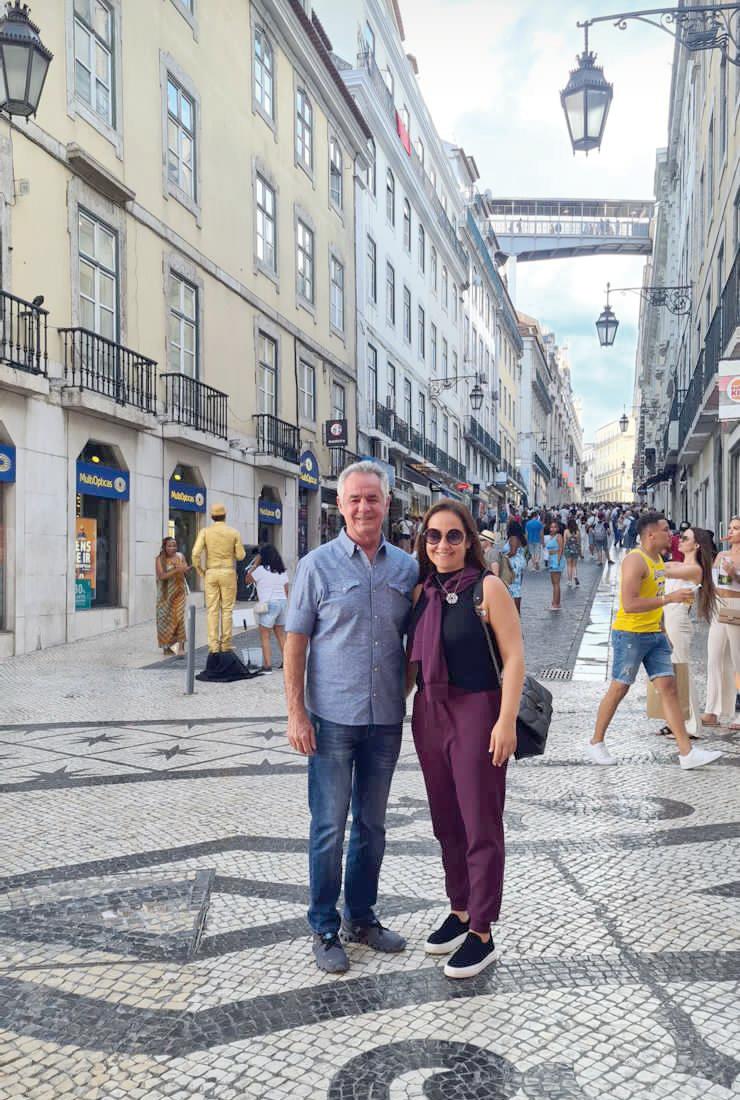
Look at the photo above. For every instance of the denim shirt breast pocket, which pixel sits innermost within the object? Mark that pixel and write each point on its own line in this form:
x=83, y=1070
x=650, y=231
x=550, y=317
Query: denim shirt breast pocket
x=399, y=605
x=342, y=603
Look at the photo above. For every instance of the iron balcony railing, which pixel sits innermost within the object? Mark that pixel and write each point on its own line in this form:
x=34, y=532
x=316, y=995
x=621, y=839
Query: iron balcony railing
x=542, y=466
x=475, y=432
x=384, y=418
x=190, y=402
x=340, y=458
x=400, y=431
x=278, y=438
x=23, y=334
x=95, y=363
x=416, y=441
x=431, y=453
x=730, y=304
x=691, y=401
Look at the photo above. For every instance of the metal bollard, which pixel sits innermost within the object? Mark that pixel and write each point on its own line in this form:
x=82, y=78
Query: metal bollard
x=190, y=655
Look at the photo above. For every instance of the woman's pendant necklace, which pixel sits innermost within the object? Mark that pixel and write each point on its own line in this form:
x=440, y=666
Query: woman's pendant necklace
x=450, y=597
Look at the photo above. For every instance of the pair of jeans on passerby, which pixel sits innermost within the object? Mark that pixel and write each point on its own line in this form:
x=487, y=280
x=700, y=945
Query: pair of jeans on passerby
x=351, y=763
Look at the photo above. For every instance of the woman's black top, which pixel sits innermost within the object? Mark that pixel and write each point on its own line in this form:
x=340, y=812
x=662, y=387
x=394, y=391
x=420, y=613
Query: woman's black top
x=469, y=664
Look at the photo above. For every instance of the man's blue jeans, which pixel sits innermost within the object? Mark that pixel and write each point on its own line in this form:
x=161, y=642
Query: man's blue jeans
x=350, y=763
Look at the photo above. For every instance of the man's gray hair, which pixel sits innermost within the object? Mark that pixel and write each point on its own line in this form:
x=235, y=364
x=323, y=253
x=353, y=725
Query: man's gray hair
x=364, y=467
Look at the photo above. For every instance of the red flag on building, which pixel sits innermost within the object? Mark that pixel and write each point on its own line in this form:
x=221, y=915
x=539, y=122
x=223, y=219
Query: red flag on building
x=403, y=134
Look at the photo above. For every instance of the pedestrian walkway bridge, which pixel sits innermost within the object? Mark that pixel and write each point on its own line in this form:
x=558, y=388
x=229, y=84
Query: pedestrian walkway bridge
x=543, y=229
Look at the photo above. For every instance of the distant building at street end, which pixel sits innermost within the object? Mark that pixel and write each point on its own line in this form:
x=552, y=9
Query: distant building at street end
x=610, y=468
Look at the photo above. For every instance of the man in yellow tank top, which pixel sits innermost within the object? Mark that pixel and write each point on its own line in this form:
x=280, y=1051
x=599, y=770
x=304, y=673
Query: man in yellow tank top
x=637, y=639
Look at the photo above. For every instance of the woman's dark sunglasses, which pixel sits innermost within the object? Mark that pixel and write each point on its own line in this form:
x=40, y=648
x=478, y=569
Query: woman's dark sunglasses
x=454, y=537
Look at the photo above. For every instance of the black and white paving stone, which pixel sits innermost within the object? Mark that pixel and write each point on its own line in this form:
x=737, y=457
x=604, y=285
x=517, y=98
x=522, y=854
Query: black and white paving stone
x=153, y=940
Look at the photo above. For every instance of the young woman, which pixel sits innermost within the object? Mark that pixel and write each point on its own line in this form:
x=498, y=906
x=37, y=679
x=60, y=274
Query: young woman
x=271, y=578
x=698, y=549
x=555, y=561
x=172, y=595
x=513, y=550
x=723, y=663
x=572, y=548
x=464, y=726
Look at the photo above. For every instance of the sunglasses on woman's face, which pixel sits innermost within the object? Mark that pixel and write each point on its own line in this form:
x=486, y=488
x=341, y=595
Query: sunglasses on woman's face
x=454, y=537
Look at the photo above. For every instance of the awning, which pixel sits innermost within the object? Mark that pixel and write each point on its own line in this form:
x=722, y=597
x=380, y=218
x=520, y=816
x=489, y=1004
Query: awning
x=656, y=479
x=415, y=476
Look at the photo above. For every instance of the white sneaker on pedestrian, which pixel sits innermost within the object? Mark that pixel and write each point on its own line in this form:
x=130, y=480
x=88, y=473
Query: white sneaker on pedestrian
x=697, y=758
x=599, y=754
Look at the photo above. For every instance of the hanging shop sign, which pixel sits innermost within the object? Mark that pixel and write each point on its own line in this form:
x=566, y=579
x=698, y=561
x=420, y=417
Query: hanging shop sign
x=86, y=539
x=102, y=481
x=186, y=498
x=335, y=433
x=729, y=389
x=7, y=462
x=308, y=478
x=270, y=512
x=500, y=477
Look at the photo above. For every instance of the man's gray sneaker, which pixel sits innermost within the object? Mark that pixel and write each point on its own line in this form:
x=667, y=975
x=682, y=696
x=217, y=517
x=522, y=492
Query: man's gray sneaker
x=372, y=935
x=329, y=953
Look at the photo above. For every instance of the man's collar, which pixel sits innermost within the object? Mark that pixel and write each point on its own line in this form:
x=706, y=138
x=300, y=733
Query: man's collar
x=350, y=547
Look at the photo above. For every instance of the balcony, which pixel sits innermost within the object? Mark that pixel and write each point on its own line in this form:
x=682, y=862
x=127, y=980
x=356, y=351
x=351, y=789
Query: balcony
x=670, y=436
x=416, y=440
x=277, y=438
x=22, y=334
x=91, y=362
x=339, y=459
x=195, y=405
x=542, y=466
x=477, y=434
x=400, y=432
x=384, y=419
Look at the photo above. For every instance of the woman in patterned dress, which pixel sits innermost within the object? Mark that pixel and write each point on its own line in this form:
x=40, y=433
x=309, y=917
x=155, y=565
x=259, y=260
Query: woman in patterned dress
x=172, y=592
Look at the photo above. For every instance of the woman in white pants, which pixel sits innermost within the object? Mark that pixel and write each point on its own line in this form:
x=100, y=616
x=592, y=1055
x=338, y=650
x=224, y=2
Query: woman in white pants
x=697, y=546
x=723, y=662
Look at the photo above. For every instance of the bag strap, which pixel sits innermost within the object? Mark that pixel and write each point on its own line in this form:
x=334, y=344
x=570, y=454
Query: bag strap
x=481, y=613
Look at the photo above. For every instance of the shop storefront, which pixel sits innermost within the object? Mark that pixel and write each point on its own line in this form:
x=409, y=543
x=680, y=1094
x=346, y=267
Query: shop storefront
x=331, y=518
x=102, y=490
x=187, y=507
x=308, y=487
x=7, y=478
x=269, y=517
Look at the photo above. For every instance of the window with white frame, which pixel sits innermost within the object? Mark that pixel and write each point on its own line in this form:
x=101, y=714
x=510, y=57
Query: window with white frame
x=723, y=93
x=372, y=166
x=336, y=186
x=445, y=433
x=433, y=348
x=372, y=380
x=264, y=73
x=454, y=367
x=369, y=35
x=338, y=401
x=406, y=118
x=266, y=253
x=304, y=129
x=407, y=403
x=390, y=293
x=180, y=138
x=422, y=248
x=93, y=46
x=433, y=424
x=307, y=390
x=422, y=332
x=98, y=272
x=267, y=375
x=421, y=423
x=433, y=267
x=372, y=269
x=444, y=358
x=454, y=303
x=391, y=387
x=336, y=281
x=389, y=82
x=420, y=150
x=305, y=261
x=390, y=197
x=182, y=301
x=407, y=314
x=455, y=441
x=407, y=225
x=444, y=288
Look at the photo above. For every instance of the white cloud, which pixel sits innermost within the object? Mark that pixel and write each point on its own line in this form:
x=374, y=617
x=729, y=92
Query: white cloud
x=491, y=72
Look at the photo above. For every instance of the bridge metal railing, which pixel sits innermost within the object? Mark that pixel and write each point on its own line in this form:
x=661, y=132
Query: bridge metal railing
x=572, y=227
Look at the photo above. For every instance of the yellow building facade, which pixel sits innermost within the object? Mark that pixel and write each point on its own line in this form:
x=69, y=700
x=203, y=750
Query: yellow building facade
x=184, y=203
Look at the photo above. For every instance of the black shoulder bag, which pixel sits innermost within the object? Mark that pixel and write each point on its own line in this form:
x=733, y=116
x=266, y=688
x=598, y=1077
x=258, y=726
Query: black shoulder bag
x=535, y=707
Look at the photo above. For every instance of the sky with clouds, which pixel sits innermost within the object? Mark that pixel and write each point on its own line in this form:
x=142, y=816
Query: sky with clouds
x=491, y=72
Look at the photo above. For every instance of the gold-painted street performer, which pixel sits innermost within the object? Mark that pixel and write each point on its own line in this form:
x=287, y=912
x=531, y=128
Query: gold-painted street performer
x=223, y=548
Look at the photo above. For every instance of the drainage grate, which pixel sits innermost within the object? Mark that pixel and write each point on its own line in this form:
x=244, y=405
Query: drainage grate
x=556, y=674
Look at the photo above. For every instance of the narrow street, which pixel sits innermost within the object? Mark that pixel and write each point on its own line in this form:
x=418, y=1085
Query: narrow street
x=154, y=892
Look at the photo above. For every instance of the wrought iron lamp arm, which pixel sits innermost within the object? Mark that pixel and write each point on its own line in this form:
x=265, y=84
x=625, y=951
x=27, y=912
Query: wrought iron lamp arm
x=715, y=32
x=676, y=299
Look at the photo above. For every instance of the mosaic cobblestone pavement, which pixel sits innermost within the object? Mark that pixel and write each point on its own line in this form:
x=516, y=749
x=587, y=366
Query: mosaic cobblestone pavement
x=153, y=941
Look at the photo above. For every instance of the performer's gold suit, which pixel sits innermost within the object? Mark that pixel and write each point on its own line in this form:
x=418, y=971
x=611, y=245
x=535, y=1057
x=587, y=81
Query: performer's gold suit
x=223, y=548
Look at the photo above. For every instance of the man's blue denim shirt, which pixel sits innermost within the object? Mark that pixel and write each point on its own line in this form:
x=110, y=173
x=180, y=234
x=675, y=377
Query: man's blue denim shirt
x=355, y=613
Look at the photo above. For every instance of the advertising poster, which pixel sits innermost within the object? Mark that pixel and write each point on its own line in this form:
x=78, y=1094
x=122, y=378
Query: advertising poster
x=85, y=566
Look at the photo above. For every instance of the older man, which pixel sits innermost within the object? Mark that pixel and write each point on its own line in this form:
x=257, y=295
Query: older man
x=348, y=611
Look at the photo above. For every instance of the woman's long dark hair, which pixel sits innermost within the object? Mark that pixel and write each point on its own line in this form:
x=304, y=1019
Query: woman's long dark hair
x=270, y=558
x=474, y=554
x=517, y=530
x=706, y=601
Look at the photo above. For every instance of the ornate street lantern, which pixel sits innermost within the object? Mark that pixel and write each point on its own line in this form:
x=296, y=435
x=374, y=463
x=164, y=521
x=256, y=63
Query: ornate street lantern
x=586, y=100
x=607, y=324
x=624, y=423
x=24, y=62
x=476, y=397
